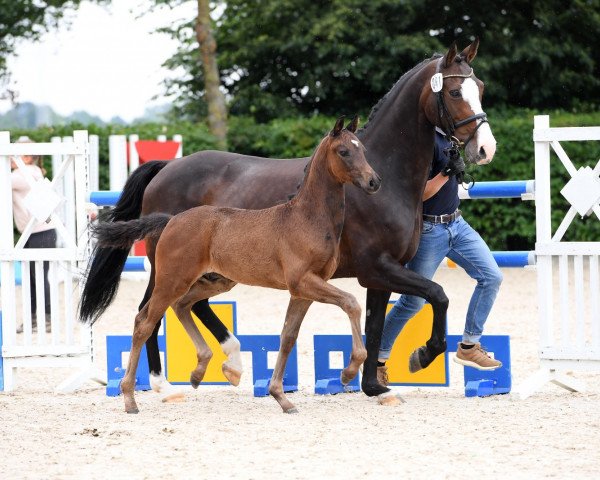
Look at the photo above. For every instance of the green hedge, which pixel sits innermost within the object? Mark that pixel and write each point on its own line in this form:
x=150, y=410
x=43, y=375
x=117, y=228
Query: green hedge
x=510, y=224
x=504, y=224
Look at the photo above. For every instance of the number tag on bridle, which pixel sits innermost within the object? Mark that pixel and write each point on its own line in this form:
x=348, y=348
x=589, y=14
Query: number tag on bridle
x=437, y=82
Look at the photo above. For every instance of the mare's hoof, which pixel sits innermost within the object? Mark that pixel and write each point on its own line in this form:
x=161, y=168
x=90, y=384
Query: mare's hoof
x=232, y=375
x=133, y=410
x=389, y=399
x=414, y=362
x=291, y=410
x=373, y=389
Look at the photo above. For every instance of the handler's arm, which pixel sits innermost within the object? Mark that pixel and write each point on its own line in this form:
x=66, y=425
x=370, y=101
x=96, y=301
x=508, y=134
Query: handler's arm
x=433, y=186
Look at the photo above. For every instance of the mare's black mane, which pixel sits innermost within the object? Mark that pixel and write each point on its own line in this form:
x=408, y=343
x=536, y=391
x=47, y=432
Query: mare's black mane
x=404, y=78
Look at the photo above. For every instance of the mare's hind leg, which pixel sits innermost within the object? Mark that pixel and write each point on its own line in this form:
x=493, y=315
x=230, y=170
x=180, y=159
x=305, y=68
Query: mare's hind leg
x=293, y=319
x=315, y=288
x=207, y=286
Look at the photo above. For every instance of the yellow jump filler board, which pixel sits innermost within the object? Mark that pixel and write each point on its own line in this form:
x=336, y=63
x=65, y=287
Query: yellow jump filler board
x=180, y=356
x=415, y=333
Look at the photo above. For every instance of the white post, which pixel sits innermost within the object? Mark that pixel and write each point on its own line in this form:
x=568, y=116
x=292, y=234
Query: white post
x=134, y=158
x=94, y=166
x=161, y=138
x=117, y=159
x=7, y=293
x=59, y=187
x=179, y=138
x=69, y=192
x=543, y=232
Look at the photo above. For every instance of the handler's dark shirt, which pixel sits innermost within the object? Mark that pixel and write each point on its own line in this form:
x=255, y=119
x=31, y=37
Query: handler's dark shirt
x=446, y=200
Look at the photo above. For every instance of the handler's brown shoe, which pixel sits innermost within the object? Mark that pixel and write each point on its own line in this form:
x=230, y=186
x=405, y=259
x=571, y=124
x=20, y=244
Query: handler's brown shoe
x=382, y=376
x=476, y=357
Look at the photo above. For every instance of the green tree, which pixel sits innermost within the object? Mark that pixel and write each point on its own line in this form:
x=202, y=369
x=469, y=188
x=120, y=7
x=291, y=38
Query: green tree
x=197, y=94
x=215, y=100
x=534, y=53
x=28, y=20
x=284, y=57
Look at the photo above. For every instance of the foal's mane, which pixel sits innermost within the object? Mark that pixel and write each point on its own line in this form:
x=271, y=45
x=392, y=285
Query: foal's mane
x=307, y=166
x=399, y=84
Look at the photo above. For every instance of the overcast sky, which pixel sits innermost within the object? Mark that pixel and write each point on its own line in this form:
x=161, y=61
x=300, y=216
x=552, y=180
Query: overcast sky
x=107, y=63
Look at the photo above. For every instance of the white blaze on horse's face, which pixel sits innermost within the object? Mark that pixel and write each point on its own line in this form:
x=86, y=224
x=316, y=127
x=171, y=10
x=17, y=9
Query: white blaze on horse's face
x=483, y=146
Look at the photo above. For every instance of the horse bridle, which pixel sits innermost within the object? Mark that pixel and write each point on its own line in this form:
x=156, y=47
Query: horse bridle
x=444, y=114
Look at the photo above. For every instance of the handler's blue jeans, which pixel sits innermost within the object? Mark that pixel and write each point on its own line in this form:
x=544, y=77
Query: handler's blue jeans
x=460, y=243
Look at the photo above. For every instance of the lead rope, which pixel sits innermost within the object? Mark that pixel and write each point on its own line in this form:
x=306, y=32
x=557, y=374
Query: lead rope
x=453, y=151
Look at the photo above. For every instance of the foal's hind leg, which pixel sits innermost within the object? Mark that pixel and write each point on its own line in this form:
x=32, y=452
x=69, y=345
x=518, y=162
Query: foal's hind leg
x=206, y=286
x=214, y=284
x=315, y=288
x=203, y=352
x=145, y=321
x=232, y=367
x=293, y=319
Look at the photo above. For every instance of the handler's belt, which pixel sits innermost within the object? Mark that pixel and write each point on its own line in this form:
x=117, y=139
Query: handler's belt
x=449, y=217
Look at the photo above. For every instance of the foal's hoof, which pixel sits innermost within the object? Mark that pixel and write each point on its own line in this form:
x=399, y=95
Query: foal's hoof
x=133, y=410
x=291, y=410
x=232, y=375
x=175, y=397
x=414, y=362
x=389, y=399
x=346, y=377
x=195, y=382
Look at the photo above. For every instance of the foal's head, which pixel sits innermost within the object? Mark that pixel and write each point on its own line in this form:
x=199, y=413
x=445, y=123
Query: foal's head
x=346, y=157
x=452, y=101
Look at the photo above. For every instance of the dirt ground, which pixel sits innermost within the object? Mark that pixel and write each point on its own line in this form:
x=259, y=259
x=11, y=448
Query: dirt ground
x=225, y=432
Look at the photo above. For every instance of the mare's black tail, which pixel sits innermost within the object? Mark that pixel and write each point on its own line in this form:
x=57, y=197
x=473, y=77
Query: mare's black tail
x=104, y=270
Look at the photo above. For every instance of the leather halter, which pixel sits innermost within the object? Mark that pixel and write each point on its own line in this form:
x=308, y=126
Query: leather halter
x=444, y=114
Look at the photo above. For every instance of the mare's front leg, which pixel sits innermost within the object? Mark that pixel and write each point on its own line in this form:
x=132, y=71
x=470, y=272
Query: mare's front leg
x=293, y=319
x=388, y=275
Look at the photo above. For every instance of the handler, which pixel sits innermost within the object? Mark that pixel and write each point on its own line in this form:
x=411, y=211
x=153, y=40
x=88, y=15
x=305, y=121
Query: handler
x=447, y=234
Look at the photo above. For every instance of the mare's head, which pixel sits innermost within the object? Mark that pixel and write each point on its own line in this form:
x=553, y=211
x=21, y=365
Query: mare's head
x=346, y=157
x=452, y=102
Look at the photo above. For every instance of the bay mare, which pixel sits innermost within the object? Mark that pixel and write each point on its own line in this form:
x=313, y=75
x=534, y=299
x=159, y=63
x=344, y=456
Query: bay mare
x=293, y=246
x=381, y=233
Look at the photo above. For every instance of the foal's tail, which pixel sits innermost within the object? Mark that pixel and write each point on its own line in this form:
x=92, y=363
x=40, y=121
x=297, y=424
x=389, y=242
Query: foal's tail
x=104, y=270
x=122, y=235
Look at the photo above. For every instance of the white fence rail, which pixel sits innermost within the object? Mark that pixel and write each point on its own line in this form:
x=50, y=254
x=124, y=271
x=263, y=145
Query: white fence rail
x=568, y=285
x=66, y=344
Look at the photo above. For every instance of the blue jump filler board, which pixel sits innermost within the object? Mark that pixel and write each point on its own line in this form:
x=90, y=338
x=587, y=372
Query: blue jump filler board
x=327, y=379
x=260, y=346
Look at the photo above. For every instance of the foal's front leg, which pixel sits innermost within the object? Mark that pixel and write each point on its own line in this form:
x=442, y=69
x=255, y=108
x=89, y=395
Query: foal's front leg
x=314, y=287
x=293, y=319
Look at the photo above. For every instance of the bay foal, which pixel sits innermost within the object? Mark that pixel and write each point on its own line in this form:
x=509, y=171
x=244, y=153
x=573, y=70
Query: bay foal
x=293, y=246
